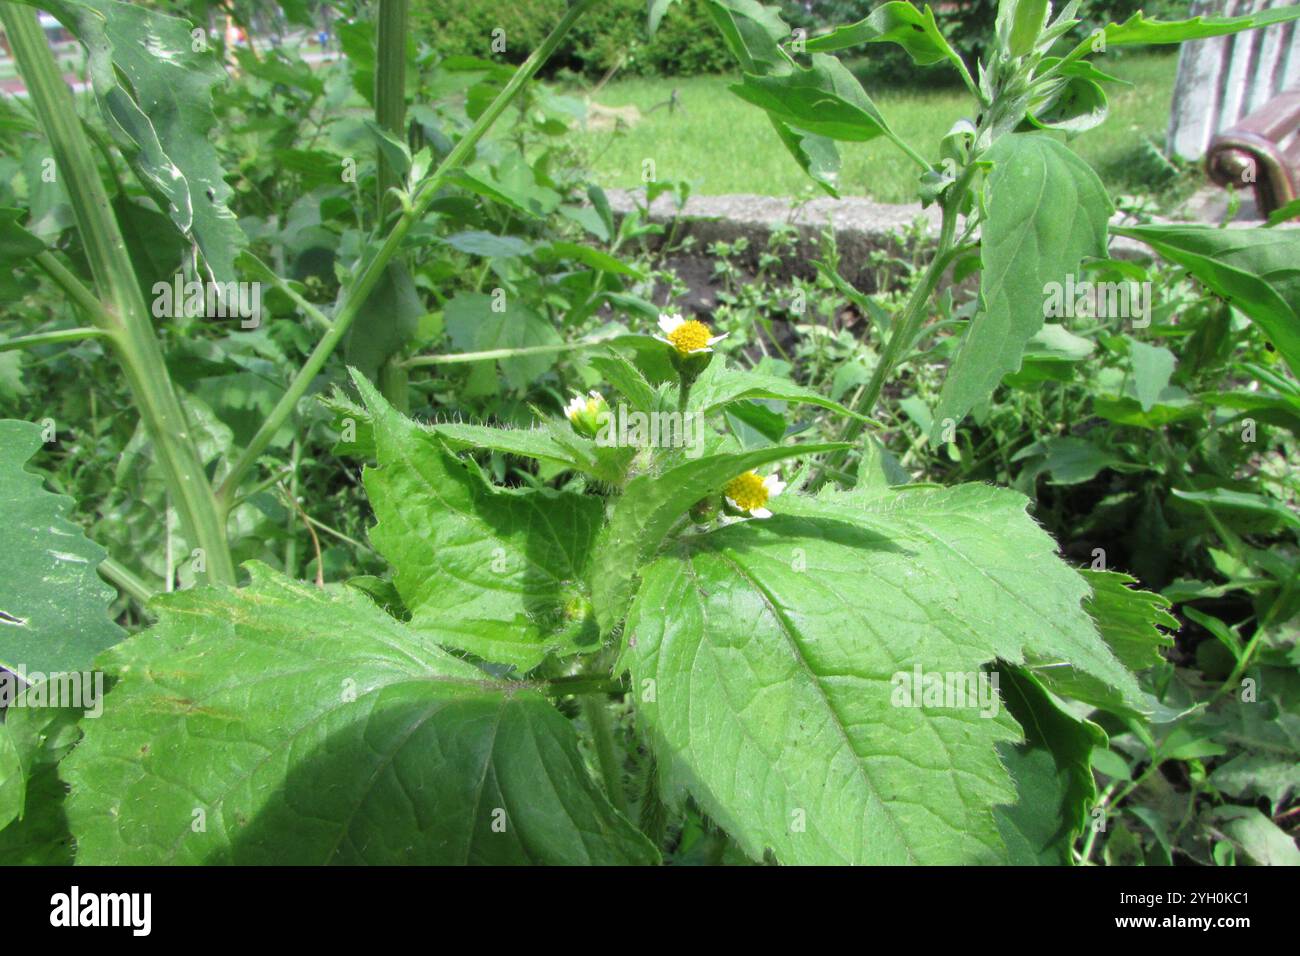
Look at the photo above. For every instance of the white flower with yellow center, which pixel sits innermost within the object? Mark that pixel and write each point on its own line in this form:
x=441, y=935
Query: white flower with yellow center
x=688, y=337
x=585, y=412
x=750, y=492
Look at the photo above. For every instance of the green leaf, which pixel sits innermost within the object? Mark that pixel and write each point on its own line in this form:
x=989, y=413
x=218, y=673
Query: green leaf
x=394, y=151
x=513, y=184
x=651, y=504
x=1260, y=839
x=40, y=738
x=595, y=259
x=1026, y=25
x=493, y=571
x=1047, y=210
x=897, y=22
x=536, y=443
x=816, y=155
x=309, y=727
x=1256, y=270
x=53, y=606
x=627, y=379
x=1052, y=771
x=753, y=33
x=777, y=650
x=488, y=245
x=1228, y=500
x=1080, y=104
x=719, y=386
x=161, y=119
x=1284, y=213
x=1153, y=367
x=655, y=14
x=1252, y=775
x=388, y=320
x=13, y=782
x=1070, y=460
x=1128, y=619
x=1137, y=30
x=16, y=243
x=475, y=325
x=824, y=99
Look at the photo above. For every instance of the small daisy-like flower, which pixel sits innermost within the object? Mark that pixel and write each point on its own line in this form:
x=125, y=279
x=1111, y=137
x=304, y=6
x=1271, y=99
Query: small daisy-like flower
x=585, y=412
x=750, y=492
x=687, y=337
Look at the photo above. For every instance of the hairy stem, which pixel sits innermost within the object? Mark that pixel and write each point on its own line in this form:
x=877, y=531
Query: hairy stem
x=390, y=88
x=596, y=710
x=124, y=314
x=906, y=326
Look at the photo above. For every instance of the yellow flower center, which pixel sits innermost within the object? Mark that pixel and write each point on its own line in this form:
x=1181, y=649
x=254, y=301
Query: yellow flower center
x=747, y=491
x=689, y=336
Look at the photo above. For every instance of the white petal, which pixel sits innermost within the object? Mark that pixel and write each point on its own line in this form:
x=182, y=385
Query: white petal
x=760, y=513
x=718, y=338
x=700, y=350
x=733, y=504
x=774, y=484
x=669, y=323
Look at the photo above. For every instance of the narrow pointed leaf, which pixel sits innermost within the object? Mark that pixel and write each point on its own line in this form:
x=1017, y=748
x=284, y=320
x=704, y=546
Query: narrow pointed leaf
x=1256, y=270
x=1047, y=211
x=896, y=22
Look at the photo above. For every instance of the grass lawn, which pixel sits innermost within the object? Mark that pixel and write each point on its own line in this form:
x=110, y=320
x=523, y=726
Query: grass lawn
x=724, y=145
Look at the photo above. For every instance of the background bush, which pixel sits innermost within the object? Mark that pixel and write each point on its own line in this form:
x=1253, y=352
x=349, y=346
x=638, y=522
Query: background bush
x=687, y=44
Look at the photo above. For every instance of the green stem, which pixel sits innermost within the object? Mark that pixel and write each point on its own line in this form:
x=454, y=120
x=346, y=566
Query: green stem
x=909, y=323
x=390, y=89
x=124, y=310
x=375, y=268
x=50, y=338
x=308, y=308
x=1102, y=802
x=596, y=710
x=451, y=358
x=906, y=147
x=126, y=581
x=581, y=684
x=75, y=290
x=390, y=114
x=905, y=328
